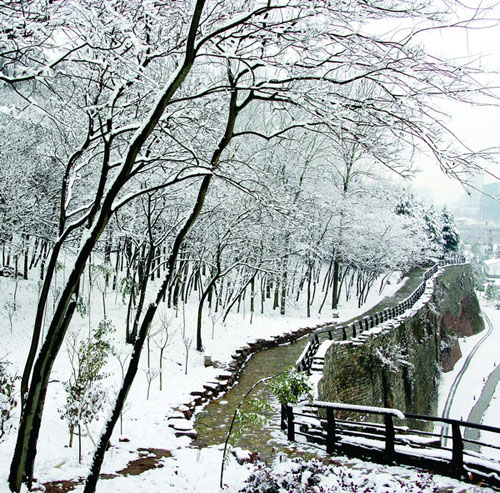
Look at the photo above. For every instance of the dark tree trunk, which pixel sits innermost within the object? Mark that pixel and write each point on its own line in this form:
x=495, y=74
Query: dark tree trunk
x=34, y=253
x=26, y=256
x=120, y=401
x=144, y=280
x=25, y=451
x=29, y=427
x=211, y=284
x=335, y=287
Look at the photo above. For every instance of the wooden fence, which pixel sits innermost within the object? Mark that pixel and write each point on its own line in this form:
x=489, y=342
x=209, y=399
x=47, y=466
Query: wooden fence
x=390, y=441
x=393, y=442
x=355, y=328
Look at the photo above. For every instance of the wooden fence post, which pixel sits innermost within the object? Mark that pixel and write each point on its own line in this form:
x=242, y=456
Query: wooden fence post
x=389, y=438
x=283, y=417
x=290, y=425
x=330, y=431
x=457, y=458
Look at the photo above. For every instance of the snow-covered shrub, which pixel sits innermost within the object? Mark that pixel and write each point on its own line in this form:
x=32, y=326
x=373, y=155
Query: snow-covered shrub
x=85, y=394
x=7, y=398
x=314, y=476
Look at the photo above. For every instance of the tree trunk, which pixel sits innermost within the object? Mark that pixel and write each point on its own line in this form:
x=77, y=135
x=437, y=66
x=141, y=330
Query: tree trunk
x=283, y=294
x=33, y=253
x=41, y=306
x=309, y=276
x=144, y=280
x=26, y=445
x=252, y=298
x=93, y=476
x=25, y=451
x=199, y=341
x=233, y=112
x=276, y=301
x=26, y=256
x=95, y=469
x=335, y=288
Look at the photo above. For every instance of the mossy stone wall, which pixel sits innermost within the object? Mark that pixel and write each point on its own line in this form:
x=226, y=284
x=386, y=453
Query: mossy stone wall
x=400, y=366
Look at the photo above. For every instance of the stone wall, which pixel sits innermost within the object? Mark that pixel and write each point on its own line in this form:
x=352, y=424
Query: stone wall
x=399, y=366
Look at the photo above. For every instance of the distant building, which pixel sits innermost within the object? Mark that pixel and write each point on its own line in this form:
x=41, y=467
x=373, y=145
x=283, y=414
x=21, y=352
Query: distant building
x=477, y=214
x=492, y=268
x=490, y=208
x=469, y=204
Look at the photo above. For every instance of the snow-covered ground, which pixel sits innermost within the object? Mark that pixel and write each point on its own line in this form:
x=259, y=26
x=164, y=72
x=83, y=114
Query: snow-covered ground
x=144, y=421
x=481, y=365
x=484, y=361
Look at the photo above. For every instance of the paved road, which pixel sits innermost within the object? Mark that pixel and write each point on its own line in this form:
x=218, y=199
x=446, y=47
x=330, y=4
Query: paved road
x=487, y=393
x=465, y=367
x=477, y=412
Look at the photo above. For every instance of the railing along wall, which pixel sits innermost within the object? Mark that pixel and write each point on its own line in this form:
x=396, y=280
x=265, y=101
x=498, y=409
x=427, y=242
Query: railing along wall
x=368, y=322
x=391, y=443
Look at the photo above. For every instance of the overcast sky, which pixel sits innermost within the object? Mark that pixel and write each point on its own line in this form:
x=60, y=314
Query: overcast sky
x=478, y=127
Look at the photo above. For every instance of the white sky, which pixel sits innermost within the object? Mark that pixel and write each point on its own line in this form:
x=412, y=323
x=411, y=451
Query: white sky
x=478, y=127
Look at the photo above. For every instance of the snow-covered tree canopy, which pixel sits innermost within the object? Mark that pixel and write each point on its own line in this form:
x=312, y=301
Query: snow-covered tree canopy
x=139, y=118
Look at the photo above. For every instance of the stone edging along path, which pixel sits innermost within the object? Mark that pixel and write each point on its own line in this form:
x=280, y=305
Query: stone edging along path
x=229, y=376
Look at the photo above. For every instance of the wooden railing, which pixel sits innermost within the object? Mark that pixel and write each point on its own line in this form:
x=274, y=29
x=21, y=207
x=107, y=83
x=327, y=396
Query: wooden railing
x=355, y=328
x=387, y=442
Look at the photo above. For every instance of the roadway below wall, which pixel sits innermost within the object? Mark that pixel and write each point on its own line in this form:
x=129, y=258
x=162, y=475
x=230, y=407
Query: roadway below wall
x=483, y=401
x=458, y=379
x=477, y=412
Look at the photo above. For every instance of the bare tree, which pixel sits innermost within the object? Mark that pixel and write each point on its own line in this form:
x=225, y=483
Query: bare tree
x=162, y=338
x=115, y=124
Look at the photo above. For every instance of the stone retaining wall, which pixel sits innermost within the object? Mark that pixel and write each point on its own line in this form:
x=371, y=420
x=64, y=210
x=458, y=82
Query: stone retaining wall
x=399, y=366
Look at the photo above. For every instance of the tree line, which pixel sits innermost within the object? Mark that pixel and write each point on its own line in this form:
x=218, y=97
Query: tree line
x=227, y=148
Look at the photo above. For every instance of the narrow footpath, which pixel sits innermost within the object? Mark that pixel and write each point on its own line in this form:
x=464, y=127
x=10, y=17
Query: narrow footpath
x=212, y=422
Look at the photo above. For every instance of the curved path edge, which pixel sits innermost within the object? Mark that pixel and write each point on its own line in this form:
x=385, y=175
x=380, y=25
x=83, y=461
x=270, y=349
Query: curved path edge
x=458, y=378
x=477, y=412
